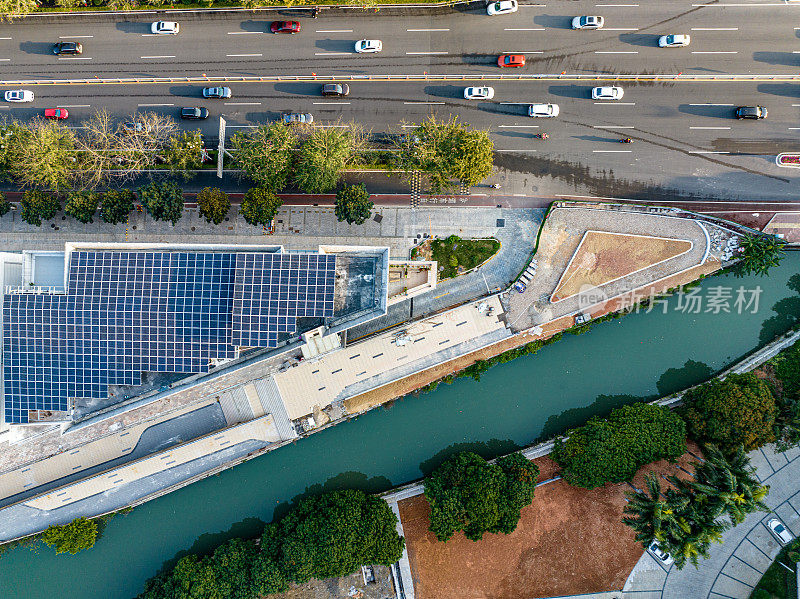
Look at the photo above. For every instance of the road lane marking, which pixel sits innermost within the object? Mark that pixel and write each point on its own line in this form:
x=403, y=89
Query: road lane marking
x=524, y=29
x=513, y=151
x=742, y=5
x=242, y=103
x=616, y=52
x=794, y=128
x=164, y=56
x=75, y=58
x=332, y=126
x=518, y=126
x=332, y=53
x=428, y=29
x=140, y=105
x=620, y=29
x=715, y=52
x=613, y=127
x=612, y=151
x=423, y=103
x=242, y=126
x=616, y=103
x=67, y=37
x=238, y=55
x=334, y=31
x=5, y=38
x=73, y=105
x=5, y=59
x=706, y=152
x=330, y=103
x=524, y=52
x=616, y=5
x=245, y=32
x=432, y=52
x=715, y=29
x=711, y=128
x=710, y=104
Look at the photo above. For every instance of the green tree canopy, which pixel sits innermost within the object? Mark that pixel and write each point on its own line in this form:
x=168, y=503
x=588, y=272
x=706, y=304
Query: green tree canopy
x=760, y=253
x=11, y=9
x=323, y=155
x=214, y=204
x=82, y=205
x=164, y=200
x=38, y=206
x=467, y=493
x=5, y=205
x=41, y=154
x=79, y=534
x=259, y=206
x=116, y=205
x=739, y=410
x=612, y=449
x=353, y=204
x=265, y=154
x=183, y=152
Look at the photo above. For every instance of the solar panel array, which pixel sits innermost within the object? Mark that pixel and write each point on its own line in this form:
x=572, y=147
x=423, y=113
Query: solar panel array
x=130, y=312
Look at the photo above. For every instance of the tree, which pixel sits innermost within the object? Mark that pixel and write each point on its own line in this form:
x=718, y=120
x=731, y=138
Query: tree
x=79, y=534
x=38, y=206
x=353, y=204
x=12, y=9
x=323, y=155
x=164, y=201
x=655, y=516
x=5, y=205
x=259, y=206
x=214, y=204
x=265, y=154
x=116, y=205
x=446, y=151
x=81, y=205
x=183, y=152
x=739, y=410
x=760, y=253
x=467, y=493
x=41, y=154
x=614, y=448
x=232, y=563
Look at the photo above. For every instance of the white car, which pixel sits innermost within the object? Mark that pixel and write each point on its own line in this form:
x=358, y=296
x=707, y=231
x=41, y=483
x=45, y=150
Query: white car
x=543, y=110
x=501, y=8
x=673, y=41
x=166, y=27
x=478, y=93
x=661, y=555
x=587, y=22
x=607, y=93
x=780, y=531
x=368, y=46
x=19, y=95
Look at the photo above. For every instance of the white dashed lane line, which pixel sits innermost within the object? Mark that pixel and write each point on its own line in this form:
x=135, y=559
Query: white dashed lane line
x=70, y=37
x=334, y=31
x=524, y=29
x=431, y=52
x=242, y=55
x=421, y=30
x=612, y=151
x=162, y=56
x=711, y=128
x=245, y=32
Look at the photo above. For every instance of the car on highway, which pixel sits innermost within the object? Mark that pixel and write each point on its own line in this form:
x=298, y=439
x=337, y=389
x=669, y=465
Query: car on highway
x=290, y=27
x=217, y=92
x=673, y=41
x=67, y=48
x=18, y=95
x=165, y=27
x=661, y=555
x=479, y=93
x=751, y=112
x=56, y=113
x=502, y=7
x=543, y=110
x=511, y=60
x=780, y=531
x=340, y=90
x=368, y=46
x=298, y=118
x=587, y=22
x=607, y=93
x=194, y=113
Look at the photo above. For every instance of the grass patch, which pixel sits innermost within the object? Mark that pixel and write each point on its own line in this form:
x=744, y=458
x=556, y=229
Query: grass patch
x=455, y=254
x=778, y=582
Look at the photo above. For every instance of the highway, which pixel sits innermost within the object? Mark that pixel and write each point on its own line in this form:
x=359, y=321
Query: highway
x=676, y=125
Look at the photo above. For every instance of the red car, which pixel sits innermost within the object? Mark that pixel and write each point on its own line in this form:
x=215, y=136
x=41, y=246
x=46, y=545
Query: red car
x=56, y=113
x=285, y=27
x=511, y=60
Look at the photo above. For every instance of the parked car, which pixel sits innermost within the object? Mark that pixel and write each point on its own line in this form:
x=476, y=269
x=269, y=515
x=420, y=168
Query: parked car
x=751, y=112
x=780, y=531
x=479, y=93
x=217, y=92
x=165, y=27
x=336, y=89
x=368, y=46
x=511, y=60
x=67, y=48
x=502, y=7
x=18, y=95
x=607, y=93
x=298, y=118
x=194, y=113
x=290, y=27
x=673, y=41
x=56, y=113
x=661, y=555
x=543, y=110
x=587, y=22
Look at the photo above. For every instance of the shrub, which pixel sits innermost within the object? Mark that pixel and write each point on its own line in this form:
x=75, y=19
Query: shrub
x=214, y=204
x=259, y=206
x=353, y=204
x=38, y=206
x=82, y=205
x=79, y=534
x=164, y=201
x=5, y=205
x=116, y=205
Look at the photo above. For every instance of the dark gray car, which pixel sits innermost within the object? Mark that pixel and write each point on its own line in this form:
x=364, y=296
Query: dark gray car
x=336, y=89
x=195, y=113
x=751, y=112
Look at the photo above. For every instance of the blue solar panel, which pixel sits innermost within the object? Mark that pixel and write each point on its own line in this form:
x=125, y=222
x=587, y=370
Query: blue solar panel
x=129, y=312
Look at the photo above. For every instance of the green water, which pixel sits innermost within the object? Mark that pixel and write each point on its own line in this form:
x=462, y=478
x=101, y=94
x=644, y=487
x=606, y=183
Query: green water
x=640, y=355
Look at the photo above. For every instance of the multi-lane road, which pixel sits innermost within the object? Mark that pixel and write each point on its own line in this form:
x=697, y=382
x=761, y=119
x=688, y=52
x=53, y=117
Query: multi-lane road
x=683, y=128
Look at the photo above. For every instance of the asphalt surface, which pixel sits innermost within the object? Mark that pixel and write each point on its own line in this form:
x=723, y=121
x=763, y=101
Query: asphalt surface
x=684, y=131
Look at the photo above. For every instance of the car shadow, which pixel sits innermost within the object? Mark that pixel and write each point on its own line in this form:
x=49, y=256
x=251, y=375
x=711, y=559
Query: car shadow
x=554, y=21
x=194, y=92
x=597, y=138
x=134, y=27
x=777, y=58
x=330, y=45
x=299, y=88
x=570, y=91
x=517, y=134
x=37, y=47
x=251, y=25
x=786, y=90
x=509, y=109
x=639, y=39
x=713, y=112
x=444, y=91
x=481, y=59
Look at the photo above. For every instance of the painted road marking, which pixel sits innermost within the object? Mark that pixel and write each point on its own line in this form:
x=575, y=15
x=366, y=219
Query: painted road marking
x=518, y=126
x=67, y=37
x=164, y=56
x=715, y=52
x=612, y=151
x=334, y=31
x=523, y=52
x=5, y=38
x=140, y=105
x=330, y=103
x=711, y=128
x=427, y=29
x=617, y=103
x=245, y=32
x=615, y=52
x=707, y=152
x=613, y=127
x=75, y=58
x=715, y=29
x=332, y=53
x=524, y=29
x=242, y=103
x=238, y=55
x=423, y=103
x=620, y=29
x=710, y=104
x=73, y=105
x=432, y=52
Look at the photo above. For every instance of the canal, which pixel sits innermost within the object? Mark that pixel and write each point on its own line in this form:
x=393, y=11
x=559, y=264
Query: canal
x=641, y=355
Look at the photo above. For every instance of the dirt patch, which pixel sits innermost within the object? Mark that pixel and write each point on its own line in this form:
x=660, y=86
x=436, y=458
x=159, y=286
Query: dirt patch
x=569, y=541
x=604, y=257
x=346, y=587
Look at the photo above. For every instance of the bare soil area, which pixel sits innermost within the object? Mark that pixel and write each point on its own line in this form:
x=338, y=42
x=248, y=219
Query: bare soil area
x=568, y=541
x=604, y=257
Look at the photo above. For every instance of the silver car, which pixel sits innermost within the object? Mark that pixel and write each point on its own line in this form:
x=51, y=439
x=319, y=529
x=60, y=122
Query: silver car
x=298, y=118
x=587, y=22
x=780, y=531
x=543, y=110
x=19, y=95
x=217, y=92
x=165, y=27
x=479, y=93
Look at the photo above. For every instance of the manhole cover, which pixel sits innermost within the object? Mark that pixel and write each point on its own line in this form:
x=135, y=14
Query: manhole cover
x=501, y=222
x=378, y=218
